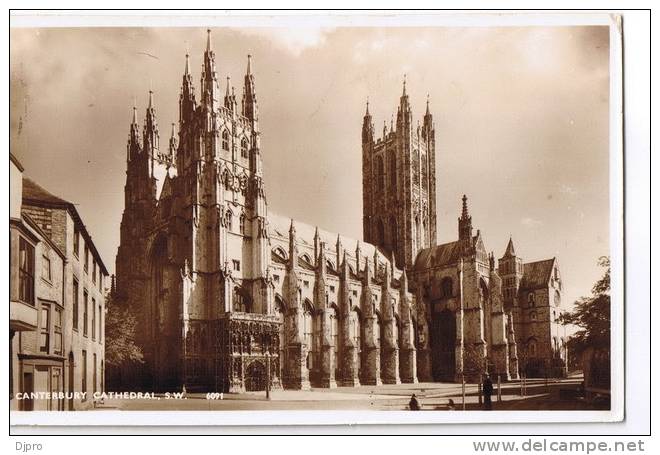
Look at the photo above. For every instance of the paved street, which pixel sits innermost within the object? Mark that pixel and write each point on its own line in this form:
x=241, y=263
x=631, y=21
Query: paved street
x=432, y=396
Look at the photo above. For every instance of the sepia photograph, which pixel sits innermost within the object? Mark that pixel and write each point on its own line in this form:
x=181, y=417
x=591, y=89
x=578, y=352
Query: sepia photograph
x=269, y=214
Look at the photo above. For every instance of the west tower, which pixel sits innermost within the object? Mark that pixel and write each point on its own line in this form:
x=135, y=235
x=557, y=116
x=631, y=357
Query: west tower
x=398, y=183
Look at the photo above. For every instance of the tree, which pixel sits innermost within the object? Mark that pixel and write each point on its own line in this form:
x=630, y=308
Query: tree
x=120, y=327
x=591, y=315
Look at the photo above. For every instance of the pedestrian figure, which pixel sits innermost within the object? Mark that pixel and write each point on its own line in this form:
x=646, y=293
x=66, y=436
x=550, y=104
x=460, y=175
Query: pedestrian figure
x=414, y=404
x=451, y=406
x=488, y=391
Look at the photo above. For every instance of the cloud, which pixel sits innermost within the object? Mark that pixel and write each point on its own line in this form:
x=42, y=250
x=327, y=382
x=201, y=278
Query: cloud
x=530, y=222
x=293, y=40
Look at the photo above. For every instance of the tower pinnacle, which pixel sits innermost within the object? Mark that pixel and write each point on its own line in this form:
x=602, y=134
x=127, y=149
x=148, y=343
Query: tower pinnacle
x=208, y=39
x=510, y=250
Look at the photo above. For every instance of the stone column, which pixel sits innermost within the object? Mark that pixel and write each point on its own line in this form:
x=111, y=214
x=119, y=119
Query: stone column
x=296, y=372
x=371, y=351
x=349, y=358
x=408, y=353
x=512, y=348
x=424, y=348
x=390, y=349
x=474, y=345
x=499, y=350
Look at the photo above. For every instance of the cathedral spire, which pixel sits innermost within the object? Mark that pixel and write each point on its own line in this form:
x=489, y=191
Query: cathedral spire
x=428, y=110
x=133, y=145
x=465, y=223
x=186, y=70
x=173, y=142
x=404, y=86
x=367, y=127
x=510, y=250
x=464, y=213
x=250, y=93
x=209, y=78
x=150, y=133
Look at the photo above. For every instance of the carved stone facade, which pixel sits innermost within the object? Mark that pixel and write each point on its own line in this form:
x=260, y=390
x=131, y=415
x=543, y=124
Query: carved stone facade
x=230, y=295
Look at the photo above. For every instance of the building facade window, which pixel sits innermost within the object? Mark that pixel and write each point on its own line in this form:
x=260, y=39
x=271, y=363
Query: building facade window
x=446, y=288
x=93, y=319
x=76, y=306
x=45, y=268
x=93, y=271
x=100, y=323
x=44, y=329
x=380, y=172
x=244, y=148
x=242, y=224
x=237, y=265
x=84, y=374
x=86, y=258
x=57, y=331
x=76, y=242
x=25, y=271
x=94, y=378
x=225, y=140
x=85, y=312
x=531, y=299
x=393, y=172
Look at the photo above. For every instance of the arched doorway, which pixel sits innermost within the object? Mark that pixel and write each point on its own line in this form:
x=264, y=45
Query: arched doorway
x=71, y=381
x=443, y=346
x=255, y=377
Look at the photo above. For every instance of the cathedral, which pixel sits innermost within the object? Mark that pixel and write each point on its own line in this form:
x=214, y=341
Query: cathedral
x=231, y=297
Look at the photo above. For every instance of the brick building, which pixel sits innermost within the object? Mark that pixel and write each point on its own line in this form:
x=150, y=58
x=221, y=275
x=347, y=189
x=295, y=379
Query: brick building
x=230, y=295
x=57, y=301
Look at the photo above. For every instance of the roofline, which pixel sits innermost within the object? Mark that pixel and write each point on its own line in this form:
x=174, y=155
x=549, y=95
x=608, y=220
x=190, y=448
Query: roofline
x=71, y=208
x=45, y=236
x=17, y=163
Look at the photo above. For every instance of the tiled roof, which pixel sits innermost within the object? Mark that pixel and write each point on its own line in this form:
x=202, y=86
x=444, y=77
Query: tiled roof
x=537, y=274
x=34, y=194
x=439, y=255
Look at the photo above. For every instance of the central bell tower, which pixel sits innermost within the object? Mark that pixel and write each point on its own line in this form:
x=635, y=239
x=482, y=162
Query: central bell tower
x=398, y=184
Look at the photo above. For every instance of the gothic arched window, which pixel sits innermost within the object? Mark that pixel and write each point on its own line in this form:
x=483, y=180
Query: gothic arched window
x=425, y=170
x=531, y=347
x=228, y=220
x=530, y=300
x=392, y=171
x=225, y=140
x=415, y=166
x=557, y=298
x=446, y=286
x=242, y=224
x=380, y=233
x=380, y=172
x=244, y=148
x=241, y=301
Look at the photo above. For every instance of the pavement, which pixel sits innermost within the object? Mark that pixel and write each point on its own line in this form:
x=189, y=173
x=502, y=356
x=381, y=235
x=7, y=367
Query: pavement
x=538, y=395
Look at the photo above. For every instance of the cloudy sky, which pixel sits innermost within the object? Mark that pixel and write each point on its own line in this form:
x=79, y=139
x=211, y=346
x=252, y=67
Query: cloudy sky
x=521, y=122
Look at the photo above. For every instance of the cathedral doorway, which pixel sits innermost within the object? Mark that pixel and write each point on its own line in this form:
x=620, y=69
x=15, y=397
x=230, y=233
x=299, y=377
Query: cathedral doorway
x=255, y=377
x=443, y=346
